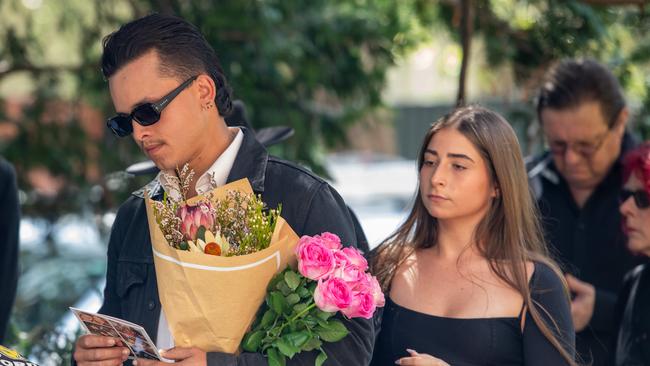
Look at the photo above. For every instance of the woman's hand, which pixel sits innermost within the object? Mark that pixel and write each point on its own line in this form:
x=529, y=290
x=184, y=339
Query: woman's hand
x=420, y=359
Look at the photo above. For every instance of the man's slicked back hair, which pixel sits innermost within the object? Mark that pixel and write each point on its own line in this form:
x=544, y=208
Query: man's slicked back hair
x=182, y=50
x=573, y=82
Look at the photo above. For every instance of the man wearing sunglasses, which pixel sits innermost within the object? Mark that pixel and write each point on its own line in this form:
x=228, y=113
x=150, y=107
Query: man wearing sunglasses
x=171, y=96
x=577, y=182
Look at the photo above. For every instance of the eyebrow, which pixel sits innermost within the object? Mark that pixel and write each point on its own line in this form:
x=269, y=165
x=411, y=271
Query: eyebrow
x=579, y=140
x=451, y=155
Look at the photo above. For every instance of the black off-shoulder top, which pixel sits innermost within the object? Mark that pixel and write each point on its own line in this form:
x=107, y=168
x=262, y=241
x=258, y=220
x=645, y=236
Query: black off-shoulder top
x=481, y=341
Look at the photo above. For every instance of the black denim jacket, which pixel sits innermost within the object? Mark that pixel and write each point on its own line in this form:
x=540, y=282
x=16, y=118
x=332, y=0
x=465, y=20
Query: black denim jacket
x=309, y=205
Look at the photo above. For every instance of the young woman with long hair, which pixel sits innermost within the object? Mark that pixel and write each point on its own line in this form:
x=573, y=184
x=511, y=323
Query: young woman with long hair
x=467, y=275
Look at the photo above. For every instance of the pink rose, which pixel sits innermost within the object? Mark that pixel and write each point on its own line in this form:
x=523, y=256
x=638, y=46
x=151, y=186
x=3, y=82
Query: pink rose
x=370, y=285
x=362, y=306
x=330, y=240
x=193, y=217
x=351, y=256
x=315, y=260
x=332, y=295
x=350, y=274
x=376, y=292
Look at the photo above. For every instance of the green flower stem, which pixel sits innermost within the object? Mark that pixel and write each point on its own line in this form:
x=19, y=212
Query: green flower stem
x=293, y=318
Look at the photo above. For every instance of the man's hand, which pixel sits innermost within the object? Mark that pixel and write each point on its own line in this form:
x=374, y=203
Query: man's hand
x=94, y=350
x=183, y=357
x=420, y=359
x=582, y=305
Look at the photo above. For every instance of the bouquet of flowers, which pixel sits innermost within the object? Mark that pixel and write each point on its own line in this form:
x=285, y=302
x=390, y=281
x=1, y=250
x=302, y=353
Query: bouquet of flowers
x=214, y=256
x=299, y=306
x=238, y=224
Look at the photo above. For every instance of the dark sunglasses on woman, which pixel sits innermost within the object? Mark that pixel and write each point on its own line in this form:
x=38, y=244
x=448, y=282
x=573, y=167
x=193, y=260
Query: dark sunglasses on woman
x=641, y=199
x=145, y=114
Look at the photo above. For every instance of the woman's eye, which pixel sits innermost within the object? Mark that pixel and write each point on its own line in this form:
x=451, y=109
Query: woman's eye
x=458, y=167
x=429, y=163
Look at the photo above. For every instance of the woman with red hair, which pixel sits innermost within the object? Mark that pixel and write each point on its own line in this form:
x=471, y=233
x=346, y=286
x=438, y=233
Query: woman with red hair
x=633, y=343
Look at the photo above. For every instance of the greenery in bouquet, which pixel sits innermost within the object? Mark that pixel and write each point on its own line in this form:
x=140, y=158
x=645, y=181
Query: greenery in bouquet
x=238, y=224
x=298, y=314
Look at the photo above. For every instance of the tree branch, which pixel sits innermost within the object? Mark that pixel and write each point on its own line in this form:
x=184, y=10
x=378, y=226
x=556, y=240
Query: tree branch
x=41, y=69
x=466, y=28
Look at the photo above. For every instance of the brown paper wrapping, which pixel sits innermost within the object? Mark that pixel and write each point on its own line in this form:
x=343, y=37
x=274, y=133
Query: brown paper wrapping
x=211, y=301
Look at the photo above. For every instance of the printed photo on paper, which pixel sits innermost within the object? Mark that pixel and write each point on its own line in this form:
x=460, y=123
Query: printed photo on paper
x=132, y=335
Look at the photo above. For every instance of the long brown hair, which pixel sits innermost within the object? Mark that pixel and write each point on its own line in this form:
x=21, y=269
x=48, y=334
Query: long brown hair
x=509, y=235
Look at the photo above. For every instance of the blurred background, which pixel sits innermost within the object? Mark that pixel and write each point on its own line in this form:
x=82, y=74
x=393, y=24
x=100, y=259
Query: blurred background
x=358, y=80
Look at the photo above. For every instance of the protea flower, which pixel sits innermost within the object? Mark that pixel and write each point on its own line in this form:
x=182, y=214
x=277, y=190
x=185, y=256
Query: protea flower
x=193, y=217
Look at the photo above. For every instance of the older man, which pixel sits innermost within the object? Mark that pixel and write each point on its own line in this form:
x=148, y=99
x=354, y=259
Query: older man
x=583, y=114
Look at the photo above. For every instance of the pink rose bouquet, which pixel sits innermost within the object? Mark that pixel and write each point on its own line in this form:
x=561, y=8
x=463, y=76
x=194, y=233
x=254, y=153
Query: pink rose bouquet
x=299, y=308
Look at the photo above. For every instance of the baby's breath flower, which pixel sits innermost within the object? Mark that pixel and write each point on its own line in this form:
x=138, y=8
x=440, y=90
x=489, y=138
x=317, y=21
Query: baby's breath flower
x=242, y=219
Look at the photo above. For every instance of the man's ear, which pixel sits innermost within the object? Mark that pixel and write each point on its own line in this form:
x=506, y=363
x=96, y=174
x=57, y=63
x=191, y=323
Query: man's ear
x=206, y=88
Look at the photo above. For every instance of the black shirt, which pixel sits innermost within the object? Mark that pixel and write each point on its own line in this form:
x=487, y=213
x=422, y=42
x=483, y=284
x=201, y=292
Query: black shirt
x=633, y=312
x=9, y=222
x=587, y=242
x=480, y=341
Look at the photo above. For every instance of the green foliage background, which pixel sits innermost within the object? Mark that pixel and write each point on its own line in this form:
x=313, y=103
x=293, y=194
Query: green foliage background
x=317, y=66
x=530, y=35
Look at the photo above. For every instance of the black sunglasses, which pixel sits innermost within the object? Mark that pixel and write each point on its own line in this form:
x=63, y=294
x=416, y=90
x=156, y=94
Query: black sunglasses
x=145, y=114
x=641, y=199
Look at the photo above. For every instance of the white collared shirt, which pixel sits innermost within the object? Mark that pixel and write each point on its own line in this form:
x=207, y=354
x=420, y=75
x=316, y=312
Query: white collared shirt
x=219, y=170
